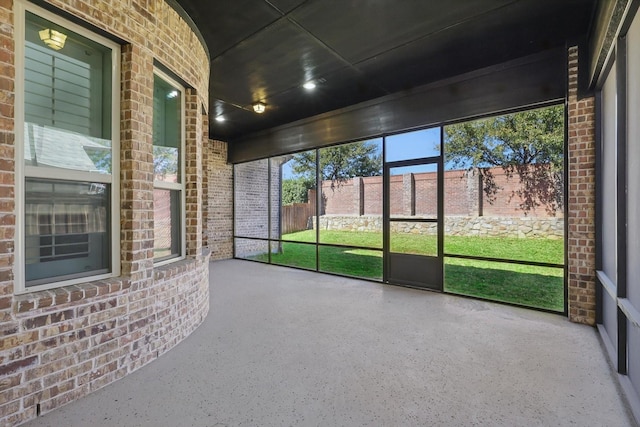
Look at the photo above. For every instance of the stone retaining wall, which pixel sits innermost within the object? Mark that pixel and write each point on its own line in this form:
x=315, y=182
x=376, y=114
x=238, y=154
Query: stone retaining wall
x=549, y=228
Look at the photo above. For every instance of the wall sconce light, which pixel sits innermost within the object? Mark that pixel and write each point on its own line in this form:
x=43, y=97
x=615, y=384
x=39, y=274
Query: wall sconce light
x=259, y=107
x=52, y=38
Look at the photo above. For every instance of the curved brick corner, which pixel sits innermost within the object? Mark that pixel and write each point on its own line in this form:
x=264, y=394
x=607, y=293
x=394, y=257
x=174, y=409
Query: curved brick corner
x=59, y=345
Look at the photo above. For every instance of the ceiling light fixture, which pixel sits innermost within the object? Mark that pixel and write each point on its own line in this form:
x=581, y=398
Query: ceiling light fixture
x=52, y=38
x=220, y=119
x=259, y=107
x=309, y=85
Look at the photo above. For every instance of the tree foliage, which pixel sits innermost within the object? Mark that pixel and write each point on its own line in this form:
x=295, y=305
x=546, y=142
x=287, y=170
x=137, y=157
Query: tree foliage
x=337, y=164
x=529, y=144
x=165, y=161
x=296, y=190
x=340, y=163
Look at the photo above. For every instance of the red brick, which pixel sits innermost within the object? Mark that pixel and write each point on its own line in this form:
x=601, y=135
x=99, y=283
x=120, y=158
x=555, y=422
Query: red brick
x=581, y=220
x=12, y=367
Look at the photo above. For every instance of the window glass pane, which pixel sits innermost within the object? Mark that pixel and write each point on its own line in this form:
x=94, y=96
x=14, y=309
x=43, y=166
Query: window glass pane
x=633, y=170
x=351, y=194
x=504, y=186
x=66, y=230
x=539, y=287
x=609, y=177
x=633, y=339
x=67, y=100
x=410, y=237
x=252, y=249
x=167, y=131
x=610, y=318
x=412, y=145
x=166, y=224
x=356, y=262
x=414, y=191
x=503, y=199
x=293, y=196
x=294, y=254
x=251, y=199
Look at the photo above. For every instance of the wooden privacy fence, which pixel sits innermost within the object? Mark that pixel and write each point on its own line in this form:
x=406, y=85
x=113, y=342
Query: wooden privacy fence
x=295, y=217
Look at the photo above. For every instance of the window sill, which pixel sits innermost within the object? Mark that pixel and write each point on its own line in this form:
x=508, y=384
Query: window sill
x=56, y=297
x=172, y=269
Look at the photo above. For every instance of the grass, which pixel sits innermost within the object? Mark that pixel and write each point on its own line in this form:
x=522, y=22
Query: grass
x=371, y=240
x=539, y=250
x=347, y=261
x=540, y=287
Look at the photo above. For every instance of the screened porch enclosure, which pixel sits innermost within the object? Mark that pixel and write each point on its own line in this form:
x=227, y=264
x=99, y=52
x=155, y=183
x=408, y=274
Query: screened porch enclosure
x=385, y=209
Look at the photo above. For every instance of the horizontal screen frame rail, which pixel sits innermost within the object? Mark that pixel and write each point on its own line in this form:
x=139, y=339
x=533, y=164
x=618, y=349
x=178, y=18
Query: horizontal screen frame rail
x=431, y=220
x=334, y=245
x=505, y=261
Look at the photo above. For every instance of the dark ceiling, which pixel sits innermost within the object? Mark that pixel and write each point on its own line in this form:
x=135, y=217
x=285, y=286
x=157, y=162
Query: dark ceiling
x=356, y=50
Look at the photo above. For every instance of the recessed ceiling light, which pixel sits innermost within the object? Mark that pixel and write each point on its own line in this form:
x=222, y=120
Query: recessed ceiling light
x=259, y=107
x=309, y=85
x=172, y=94
x=220, y=119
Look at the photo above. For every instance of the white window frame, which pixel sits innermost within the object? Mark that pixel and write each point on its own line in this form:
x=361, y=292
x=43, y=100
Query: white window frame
x=22, y=171
x=179, y=186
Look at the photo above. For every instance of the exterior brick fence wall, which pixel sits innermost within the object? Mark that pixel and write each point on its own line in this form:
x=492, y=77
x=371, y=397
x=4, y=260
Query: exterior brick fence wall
x=356, y=205
x=61, y=344
x=417, y=194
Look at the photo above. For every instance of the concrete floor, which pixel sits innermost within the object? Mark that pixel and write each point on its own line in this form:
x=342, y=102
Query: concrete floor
x=286, y=347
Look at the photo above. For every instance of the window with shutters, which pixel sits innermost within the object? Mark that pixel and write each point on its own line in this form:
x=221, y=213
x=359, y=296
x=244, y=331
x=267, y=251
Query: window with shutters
x=67, y=168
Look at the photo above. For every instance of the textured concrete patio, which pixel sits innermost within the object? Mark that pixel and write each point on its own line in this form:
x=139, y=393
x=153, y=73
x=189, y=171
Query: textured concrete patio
x=286, y=347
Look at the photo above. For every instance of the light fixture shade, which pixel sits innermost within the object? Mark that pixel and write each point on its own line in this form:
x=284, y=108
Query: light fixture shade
x=259, y=107
x=52, y=38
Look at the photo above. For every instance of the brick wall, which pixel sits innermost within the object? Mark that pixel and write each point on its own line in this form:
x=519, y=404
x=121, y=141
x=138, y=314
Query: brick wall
x=581, y=203
x=425, y=194
x=253, y=218
x=251, y=182
x=274, y=194
x=372, y=195
x=343, y=198
x=218, y=203
x=61, y=344
x=251, y=199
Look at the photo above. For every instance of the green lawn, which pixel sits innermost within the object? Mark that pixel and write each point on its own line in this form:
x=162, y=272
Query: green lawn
x=540, y=287
x=350, y=262
x=539, y=250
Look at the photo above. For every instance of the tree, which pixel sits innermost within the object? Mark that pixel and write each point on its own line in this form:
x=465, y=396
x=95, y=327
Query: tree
x=529, y=144
x=340, y=163
x=296, y=190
